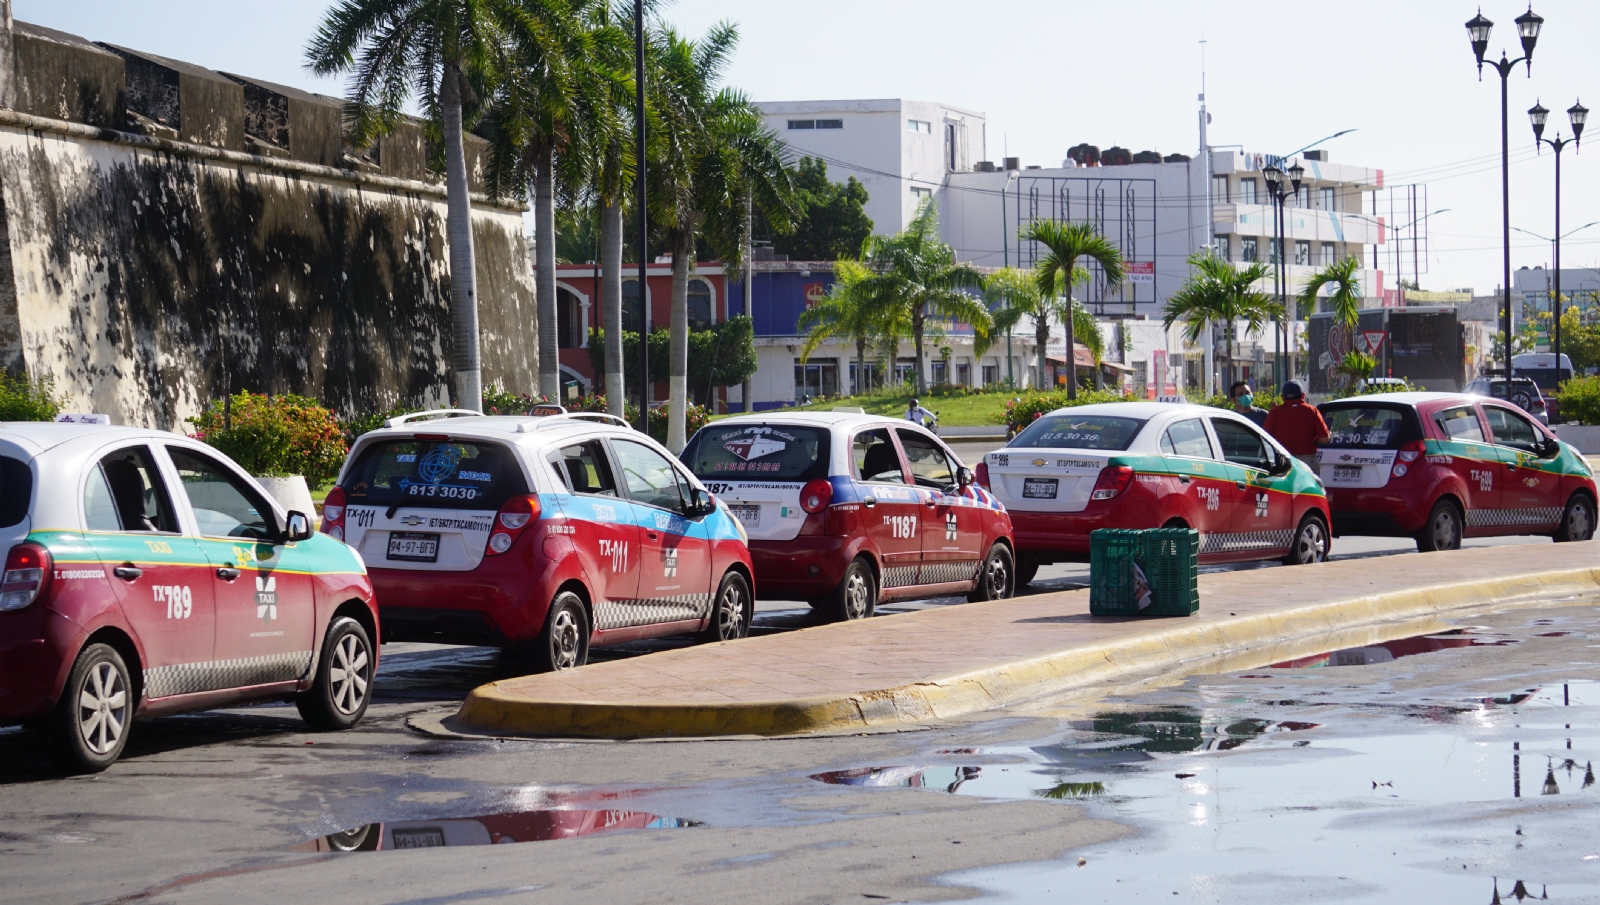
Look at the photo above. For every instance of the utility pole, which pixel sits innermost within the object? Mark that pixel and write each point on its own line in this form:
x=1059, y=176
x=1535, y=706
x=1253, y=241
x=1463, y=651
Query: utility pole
x=644, y=217
x=1208, y=223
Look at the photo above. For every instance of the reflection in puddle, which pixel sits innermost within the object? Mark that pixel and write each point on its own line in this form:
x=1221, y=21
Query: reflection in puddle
x=493, y=829
x=1390, y=651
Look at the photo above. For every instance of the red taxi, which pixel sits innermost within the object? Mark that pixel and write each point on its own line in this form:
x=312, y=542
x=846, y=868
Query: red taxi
x=1442, y=466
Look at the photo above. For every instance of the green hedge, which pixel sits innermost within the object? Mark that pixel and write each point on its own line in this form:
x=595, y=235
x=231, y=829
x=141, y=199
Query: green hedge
x=1023, y=410
x=1580, y=400
x=275, y=436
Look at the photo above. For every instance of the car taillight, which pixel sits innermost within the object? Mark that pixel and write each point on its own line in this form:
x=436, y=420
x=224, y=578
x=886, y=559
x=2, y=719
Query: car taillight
x=515, y=516
x=27, y=576
x=1113, y=480
x=1411, y=451
x=981, y=475
x=333, y=514
x=1538, y=405
x=816, y=495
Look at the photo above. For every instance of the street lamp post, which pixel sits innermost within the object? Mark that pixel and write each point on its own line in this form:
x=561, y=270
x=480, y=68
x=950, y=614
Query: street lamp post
x=1005, y=252
x=1279, y=191
x=1478, y=29
x=1577, y=114
x=644, y=218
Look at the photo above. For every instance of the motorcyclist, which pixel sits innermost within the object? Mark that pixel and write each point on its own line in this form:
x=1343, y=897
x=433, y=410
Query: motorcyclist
x=915, y=412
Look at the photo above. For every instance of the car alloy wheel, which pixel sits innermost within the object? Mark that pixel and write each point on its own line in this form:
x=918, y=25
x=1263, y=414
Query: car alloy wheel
x=732, y=610
x=1577, y=522
x=350, y=674
x=997, y=573
x=103, y=705
x=1443, y=530
x=565, y=644
x=857, y=595
x=1310, y=543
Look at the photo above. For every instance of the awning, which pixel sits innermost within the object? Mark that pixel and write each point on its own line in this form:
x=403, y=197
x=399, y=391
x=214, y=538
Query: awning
x=1116, y=366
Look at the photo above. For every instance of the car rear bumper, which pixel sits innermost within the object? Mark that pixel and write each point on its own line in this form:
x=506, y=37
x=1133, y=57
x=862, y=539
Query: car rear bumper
x=1376, y=513
x=1062, y=536
x=504, y=599
x=37, y=647
x=801, y=569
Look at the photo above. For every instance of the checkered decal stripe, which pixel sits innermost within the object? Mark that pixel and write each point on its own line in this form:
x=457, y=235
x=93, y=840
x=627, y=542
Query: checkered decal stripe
x=949, y=571
x=188, y=678
x=1500, y=518
x=1245, y=540
x=611, y=614
x=899, y=576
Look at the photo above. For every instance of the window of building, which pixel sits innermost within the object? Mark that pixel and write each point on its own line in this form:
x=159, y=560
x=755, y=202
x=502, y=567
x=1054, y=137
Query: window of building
x=631, y=309
x=1302, y=196
x=1247, y=248
x=964, y=374
x=941, y=372
x=905, y=371
x=1247, y=190
x=991, y=374
x=950, y=146
x=1224, y=247
x=699, y=305
x=1327, y=254
x=1219, y=189
x=802, y=124
x=830, y=124
x=920, y=192
x=1272, y=251
x=1302, y=253
x=862, y=381
x=1328, y=199
x=569, y=319
x=818, y=377
x=917, y=125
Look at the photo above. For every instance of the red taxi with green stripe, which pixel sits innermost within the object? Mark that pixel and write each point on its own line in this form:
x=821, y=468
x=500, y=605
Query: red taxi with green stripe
x=146, y=573
x=1438, y=467
x=1156, y=465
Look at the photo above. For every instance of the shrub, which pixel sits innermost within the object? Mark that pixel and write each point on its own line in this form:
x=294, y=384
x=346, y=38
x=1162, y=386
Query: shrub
x=497, y=401
x=1023, y=410
x=275, y=436
x=630, y=411
x=24, y=400
x=362, y=424
x=695, y=417
x=1580, y=400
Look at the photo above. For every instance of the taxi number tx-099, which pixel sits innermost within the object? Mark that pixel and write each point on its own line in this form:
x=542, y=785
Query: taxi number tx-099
x=1155, y=465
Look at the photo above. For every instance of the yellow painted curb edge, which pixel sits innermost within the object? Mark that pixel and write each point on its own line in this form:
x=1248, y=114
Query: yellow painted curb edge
x=489, y=709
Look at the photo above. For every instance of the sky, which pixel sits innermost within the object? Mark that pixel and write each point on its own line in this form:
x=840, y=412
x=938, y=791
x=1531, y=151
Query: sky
x=1050, y=74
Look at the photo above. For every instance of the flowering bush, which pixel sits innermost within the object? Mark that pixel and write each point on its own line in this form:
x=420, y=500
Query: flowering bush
x=22, y=399
x=497, y=401
x=630, y=411
x=1580, y=400
x=275, y=436
x=694, y=417
x=362, y=424
x=1024, y=410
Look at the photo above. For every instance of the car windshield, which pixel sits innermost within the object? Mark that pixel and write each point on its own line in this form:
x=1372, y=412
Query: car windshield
x=765, y=452
x=445, y=474
x=16, y=490
x=1076, y=431
x=1369, y=426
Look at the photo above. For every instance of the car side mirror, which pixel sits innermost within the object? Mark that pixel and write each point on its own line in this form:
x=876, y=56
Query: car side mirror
x=964, y=477
x=299, y=527
x=1282, y=465
x=700, y=503
x=1549, y=448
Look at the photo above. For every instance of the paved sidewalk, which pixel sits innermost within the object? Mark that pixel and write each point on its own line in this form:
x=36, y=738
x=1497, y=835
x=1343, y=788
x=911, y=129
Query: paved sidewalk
x=938, y=663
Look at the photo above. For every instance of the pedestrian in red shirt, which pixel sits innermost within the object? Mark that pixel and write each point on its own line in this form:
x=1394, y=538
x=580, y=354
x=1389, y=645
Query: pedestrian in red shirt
x=1297, y=424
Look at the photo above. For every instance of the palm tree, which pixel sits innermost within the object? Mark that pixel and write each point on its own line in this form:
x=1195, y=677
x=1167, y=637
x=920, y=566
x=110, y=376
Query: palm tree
x=1219, y=293
x=1064, y=244
x=915, y=276
x=1345, y=300
x=842, y=314
x=454, y=54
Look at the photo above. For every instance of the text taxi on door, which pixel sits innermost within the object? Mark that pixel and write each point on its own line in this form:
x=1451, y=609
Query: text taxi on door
x=146, y=573
x=546, y=534
x=1442, y=466
x=844, y=510
x=1156, y=465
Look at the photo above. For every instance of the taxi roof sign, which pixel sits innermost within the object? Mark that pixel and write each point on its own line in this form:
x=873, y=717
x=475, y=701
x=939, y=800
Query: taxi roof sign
x=82, y=418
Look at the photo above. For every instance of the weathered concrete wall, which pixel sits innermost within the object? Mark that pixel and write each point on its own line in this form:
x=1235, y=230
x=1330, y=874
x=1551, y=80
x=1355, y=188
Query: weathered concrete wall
x=63, y=76
x=148, y=277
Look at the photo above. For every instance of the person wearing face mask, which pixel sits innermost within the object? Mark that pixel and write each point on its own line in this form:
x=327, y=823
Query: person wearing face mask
x=1244, y=402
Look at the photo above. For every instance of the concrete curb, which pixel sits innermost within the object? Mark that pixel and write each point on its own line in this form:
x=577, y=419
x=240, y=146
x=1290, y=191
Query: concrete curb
x=1170, y=645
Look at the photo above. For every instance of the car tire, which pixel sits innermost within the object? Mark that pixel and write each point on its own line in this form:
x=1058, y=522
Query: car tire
x=856, y=597
x=338, y=695
x=997, y=577
x=1026, y=570
x=731, y=610
x=1577, y=520
x=1311, y=544
x=91, y=721
x=564, y=641
x=1443, y=529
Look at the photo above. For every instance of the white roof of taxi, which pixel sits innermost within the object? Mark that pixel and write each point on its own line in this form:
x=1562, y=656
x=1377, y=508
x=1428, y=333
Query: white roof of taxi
x=820, y=419
x=500, y=427
x=1404, y=398
x=39, y=436
x=1143, y=410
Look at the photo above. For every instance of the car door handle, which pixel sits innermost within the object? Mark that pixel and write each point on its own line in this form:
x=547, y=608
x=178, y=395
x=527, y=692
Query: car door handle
x=930, y=502
x=869, y=502
x=1183, y=479
x=127, y=573
x=227, y=573
x=651, y=534
x=1239, y=484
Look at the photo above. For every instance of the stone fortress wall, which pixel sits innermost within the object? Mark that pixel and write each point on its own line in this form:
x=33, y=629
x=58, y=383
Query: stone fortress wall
x=171, y=234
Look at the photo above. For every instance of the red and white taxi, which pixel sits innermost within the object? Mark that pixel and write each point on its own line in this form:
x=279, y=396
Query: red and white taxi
x=1442, y=466
x=1156, y=465
x=846, y=509
x=548, y=534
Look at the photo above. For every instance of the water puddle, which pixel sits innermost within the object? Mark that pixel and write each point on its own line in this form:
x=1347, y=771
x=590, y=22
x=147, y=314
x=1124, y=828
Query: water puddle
x=1389, y=651
x=490, y=829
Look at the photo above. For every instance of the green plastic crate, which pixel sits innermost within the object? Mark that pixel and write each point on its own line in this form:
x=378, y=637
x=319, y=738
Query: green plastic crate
x=1168, y=559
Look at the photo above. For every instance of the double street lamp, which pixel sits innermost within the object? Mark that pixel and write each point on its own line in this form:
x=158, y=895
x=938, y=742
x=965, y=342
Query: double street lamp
x=1279, y=190
x=1478, y=28
x=1577, y=115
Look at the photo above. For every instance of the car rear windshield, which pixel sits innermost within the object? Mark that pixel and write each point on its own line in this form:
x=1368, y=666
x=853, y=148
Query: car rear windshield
x=1071, y=431
x=767, y=452
x=1369, y=426
x=437, y=474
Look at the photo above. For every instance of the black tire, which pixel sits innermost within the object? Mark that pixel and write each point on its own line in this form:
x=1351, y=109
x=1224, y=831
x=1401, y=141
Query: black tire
x=1311, y=542
x=1443, y=529
x=564, y=642
x=1577, y=520
x=731, y=610
x=856, y=597
x=997, y=576
x=1026, y=570
x=338, y=696
x=90, y=725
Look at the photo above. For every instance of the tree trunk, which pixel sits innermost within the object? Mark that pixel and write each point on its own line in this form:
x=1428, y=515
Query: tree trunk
x=863, y=382
x=1072, y=340
x=458, y=233
x=544, y=237
x=611, y=305
x=1041, y=336
x=916, y=336
x=678, y=364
